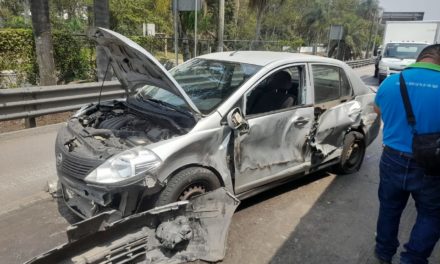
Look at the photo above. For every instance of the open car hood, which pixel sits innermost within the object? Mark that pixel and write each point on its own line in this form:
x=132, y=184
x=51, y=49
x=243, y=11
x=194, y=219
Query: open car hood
x=134, y=66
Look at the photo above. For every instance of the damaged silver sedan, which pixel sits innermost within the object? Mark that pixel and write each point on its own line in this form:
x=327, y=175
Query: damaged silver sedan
x=243, y=120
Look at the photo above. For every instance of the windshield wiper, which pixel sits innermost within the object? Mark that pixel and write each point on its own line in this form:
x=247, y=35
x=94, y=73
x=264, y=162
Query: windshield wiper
x=165, y=104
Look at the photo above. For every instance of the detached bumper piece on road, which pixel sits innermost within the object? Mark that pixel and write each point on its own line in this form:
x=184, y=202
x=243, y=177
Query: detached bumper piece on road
x=175, y=233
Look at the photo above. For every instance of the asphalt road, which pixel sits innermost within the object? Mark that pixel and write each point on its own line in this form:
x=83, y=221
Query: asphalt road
x=322, y=218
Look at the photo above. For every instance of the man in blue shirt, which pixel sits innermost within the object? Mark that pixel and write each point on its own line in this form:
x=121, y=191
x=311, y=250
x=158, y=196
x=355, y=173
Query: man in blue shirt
x=400, y=176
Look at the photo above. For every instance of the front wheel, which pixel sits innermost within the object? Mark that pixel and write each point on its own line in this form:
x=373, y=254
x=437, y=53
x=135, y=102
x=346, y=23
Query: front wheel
x=187, y=184
x=353, y=153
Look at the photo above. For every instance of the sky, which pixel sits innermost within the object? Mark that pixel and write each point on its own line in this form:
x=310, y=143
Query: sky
x=430, y=7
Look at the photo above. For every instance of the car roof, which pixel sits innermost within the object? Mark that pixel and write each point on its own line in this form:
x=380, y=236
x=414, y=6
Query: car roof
x=407, y=42
x=263, y=58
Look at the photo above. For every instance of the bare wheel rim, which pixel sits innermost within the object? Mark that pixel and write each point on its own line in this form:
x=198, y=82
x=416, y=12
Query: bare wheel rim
x=354, y=155
x=192, y=190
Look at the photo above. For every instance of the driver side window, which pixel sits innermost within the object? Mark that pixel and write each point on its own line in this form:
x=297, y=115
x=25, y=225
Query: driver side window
x=281, y=90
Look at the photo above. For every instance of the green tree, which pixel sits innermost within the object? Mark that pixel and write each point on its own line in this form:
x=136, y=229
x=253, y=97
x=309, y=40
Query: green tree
x=127, y=16
x=260, y=7
x=14, y=14
x=70, y=15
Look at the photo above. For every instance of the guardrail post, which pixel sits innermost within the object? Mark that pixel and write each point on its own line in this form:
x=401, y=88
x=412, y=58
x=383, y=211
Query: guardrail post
x=30, y=122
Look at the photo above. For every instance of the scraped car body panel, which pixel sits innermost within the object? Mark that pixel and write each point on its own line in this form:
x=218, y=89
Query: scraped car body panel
x=279, y=134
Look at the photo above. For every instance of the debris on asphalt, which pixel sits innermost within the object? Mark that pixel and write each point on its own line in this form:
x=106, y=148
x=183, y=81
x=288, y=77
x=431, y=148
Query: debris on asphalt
x=175, y=233
x=53, y=188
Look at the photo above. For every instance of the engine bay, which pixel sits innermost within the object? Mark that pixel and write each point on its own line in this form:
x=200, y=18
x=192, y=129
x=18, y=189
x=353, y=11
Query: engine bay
x=114, y=126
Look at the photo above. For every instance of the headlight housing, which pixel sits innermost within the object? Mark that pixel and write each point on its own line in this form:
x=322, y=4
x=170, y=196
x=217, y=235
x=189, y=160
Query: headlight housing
x=127, y=166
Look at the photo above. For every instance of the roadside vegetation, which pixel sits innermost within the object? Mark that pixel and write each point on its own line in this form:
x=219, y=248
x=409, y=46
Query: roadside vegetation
x=52, y=34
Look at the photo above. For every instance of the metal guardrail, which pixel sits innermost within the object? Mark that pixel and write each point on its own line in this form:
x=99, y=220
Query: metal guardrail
x=32, y=102
x=360, y=63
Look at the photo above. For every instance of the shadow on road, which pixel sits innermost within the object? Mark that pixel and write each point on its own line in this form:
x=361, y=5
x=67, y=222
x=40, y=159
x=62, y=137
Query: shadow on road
x=286, y=187
x=370, y=80
x=65, y=212
x=340, y=226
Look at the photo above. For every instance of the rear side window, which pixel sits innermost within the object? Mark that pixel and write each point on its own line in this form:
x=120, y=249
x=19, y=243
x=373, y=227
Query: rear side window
x=345, y=84
x=327, y=83
x=330, y=83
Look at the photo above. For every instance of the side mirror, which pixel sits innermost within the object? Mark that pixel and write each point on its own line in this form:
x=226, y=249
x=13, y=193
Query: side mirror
x=236, y=121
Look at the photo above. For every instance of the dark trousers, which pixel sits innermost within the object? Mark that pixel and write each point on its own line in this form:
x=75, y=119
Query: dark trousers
x=400, y=177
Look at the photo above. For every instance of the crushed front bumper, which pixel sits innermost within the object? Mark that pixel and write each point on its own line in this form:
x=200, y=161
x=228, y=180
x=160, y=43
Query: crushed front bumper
x=87, y=201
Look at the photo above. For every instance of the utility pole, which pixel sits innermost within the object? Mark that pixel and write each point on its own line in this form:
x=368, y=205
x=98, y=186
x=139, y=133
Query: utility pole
x=176, y=39
x=379, y=21
x=367, y=52
x=330, y=27
x=195, y=28
x=370, y=34
x=221, y=24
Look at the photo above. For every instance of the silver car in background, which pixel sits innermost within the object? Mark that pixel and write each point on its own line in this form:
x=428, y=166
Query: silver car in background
x=244, y=120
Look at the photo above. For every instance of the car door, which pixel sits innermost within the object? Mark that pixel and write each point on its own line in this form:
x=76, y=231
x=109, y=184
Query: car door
x=333, y=98
x=275, y=144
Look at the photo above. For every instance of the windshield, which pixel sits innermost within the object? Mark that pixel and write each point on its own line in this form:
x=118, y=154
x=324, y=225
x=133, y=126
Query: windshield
x=208, y=83
x=403, y=50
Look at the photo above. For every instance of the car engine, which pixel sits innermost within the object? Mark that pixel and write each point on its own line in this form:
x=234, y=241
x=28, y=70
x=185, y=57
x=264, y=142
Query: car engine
x=109, y=128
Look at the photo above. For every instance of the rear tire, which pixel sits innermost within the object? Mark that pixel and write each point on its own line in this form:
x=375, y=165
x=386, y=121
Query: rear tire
x=187, y=184
x=353, y=153
x=380, y=78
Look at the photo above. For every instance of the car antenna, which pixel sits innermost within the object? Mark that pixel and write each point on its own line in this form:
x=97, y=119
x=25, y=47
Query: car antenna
x=233, y=53
x=103, y=80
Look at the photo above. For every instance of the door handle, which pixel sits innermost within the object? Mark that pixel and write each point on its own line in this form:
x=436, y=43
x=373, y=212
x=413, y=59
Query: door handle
x=301, y=121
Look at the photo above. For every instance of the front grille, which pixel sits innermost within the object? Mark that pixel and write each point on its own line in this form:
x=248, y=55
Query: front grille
x=74, y=166
x=131, y=252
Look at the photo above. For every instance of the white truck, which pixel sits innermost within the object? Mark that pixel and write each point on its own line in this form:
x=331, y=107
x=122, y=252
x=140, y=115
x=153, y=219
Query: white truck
x=402, y=43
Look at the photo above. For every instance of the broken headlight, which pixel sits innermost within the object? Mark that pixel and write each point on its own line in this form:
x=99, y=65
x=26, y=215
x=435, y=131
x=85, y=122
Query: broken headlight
x=129, y=165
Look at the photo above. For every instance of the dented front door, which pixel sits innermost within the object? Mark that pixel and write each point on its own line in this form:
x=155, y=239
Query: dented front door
x=273, y=148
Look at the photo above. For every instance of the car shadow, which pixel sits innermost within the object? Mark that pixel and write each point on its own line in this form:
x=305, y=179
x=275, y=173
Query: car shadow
x=284, y=188
x=65, y=212
x=340, y=226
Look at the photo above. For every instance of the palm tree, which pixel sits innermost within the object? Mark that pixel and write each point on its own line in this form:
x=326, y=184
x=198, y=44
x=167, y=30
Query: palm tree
x=43, y=41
